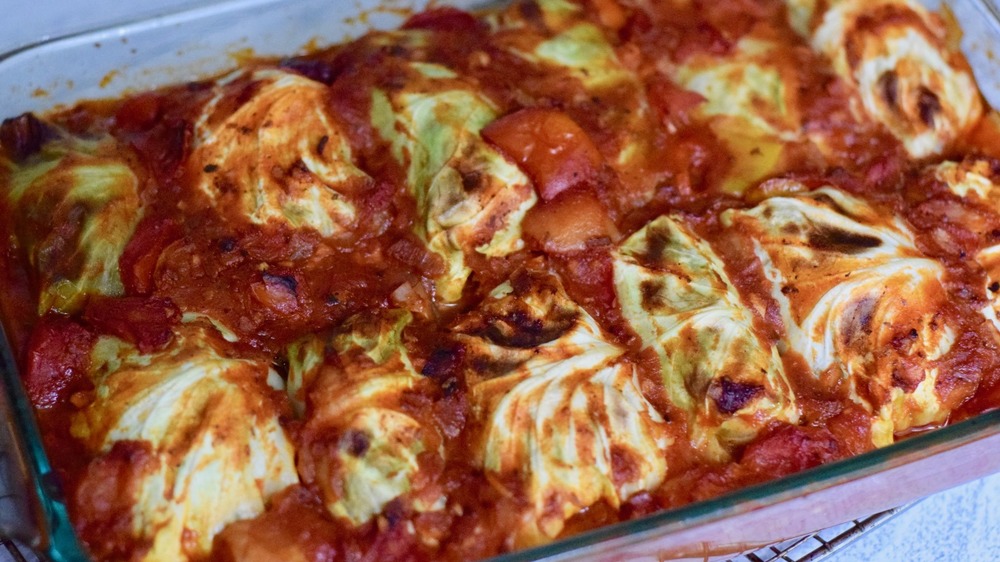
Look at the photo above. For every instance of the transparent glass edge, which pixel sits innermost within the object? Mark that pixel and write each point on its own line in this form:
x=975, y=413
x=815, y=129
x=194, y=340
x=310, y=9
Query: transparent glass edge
x=59, y=540
x=64, y=546
x=138, y=25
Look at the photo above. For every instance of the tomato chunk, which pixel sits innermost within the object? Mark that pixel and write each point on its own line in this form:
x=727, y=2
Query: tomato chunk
x=58, y=359
x=138, y=113
x=444, y=19
x=568, y=222
x=549, y=146
x=791, y=449
x=145, y=322
x=610, y=12
x=138, y=262
x=674, y=103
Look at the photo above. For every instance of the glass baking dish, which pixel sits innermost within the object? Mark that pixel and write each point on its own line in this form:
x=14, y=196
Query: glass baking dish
x=208, y=39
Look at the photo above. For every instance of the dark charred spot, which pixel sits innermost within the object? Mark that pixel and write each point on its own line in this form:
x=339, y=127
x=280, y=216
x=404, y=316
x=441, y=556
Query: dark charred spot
x=888, y=84
x=842, y=241
x=23, y=136
x=449, y=386
x=286, y=282
x=227, y=244
x=281, y=366
x=928, y=105
x=443, y=362
x=656, y=243
x=332, y=299
x=731, y=397
x=826, y=199
x=487, y=367
x=209, y=168
x=356, y=443
x=858, y=322
x=650, y=289
x=907, y=375
x=394, y=512
x=788, y=290
x=995, y=286
x=471, y=180
x=321, y=71
x=624, y=467
x=522, y=282
x=864, y=311
x=321, y=145
x=521, y=330
x=531, y=12
x=224, y=185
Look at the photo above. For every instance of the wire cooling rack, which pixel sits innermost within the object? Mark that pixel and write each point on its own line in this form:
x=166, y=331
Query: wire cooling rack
x=12, y=551
x=817, y=546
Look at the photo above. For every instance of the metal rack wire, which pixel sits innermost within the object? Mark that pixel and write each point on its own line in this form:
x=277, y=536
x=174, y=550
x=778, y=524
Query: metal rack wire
x=817, y=546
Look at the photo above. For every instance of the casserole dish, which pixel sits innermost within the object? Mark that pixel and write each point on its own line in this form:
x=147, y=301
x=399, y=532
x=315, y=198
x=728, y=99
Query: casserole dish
x=678, y=533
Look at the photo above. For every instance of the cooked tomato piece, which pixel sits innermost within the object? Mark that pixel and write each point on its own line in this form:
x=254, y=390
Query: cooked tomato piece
x=138, y=113
x=294, y=529
x=58, y=359
x=138, y=262
x=444, y=19
x=673, y=102
x=146, y=322
x=791, y=449
x=549, y=146
x=610, y=13
x=22, y=136
x=568, y=222
x=107, y=494
x=165, y=146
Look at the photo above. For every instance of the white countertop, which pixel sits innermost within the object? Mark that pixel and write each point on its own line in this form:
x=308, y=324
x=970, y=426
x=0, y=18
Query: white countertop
x=961, y=524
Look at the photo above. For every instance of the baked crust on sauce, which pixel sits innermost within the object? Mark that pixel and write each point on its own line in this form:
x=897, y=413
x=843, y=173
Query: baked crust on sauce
x=486, y=281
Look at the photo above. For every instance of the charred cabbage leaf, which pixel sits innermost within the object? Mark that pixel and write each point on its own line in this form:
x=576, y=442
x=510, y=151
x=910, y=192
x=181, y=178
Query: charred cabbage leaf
x=470, y=199
x=859, y=302
x=976, y=180
x=898, y=59
x=559, y=410
x=362, y=448
x=571, y=49
x=278, y=155
x=210, y=421
x=75, y=204
x=675, y=293
x=751, y=103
